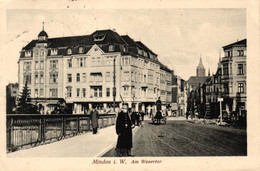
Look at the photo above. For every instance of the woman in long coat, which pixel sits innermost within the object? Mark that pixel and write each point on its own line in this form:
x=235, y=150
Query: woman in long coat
x=124, y=131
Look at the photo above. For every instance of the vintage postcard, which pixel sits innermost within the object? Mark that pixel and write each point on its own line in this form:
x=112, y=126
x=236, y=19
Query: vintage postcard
x=148, y=85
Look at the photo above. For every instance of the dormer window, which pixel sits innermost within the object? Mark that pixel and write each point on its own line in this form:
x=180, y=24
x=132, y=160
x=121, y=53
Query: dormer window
x=69, y=51
x=100, y=37
x=111, y=48
x=28, y=53
x=139, y=51
x=80, y=49
x=54, y=51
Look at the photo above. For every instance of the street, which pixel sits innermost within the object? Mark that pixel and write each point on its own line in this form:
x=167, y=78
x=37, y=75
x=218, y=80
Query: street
x=184, y=138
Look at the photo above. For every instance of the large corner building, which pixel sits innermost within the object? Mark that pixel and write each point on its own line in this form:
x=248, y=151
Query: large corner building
x=79, y=70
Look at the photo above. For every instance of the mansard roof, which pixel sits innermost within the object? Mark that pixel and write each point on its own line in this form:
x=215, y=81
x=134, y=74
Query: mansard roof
x=107, y=37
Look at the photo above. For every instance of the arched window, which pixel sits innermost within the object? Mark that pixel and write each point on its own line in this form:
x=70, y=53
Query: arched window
x=42, y=53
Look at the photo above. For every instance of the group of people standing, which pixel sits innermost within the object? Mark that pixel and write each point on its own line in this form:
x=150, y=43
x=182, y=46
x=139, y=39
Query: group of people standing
x=125, y=122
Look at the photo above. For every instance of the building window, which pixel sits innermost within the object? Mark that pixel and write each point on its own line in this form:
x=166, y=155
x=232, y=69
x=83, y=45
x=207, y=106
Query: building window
x=69, y=91
x=27, y=53
x=54, y=78
x=69, y=78
x=109, y=60
x=96, y=76
x=231, y=87
x=229, y=53
x=225, y=88
x=83, y=92
x=54, y=51
x=27, y=78
x=82, y=62
x=240, y=69
x=126, y=76
x=126, y=91
x=54, y=64
x=53, y=92
x=241, y=87
x=78, y=92
x=27, y=65
x=108, y=76
x=111, y=48
x=144, y=78
x=69, y=51
x=42, y=53
x=36, y=92
x=78, y=77
x=96, y=91
x=80, y=49
x=98, y=62
x=36, y=65
x=93, y=61
x=36, y=79
x=126, y=60
x=36, y=54
x=230, y=68
x=108, y=92
x=69, y=63
x=84, y=77
x=99, y=37
x=225, y=69
x=41, y=65
x=41, y=92
x=240, y=52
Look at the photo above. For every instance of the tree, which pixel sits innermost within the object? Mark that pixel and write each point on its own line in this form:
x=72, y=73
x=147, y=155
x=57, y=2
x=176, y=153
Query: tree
x=24, y=102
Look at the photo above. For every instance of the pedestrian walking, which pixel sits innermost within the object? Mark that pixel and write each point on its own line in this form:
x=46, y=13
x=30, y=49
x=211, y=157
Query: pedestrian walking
x=133, y=116
x=124, y=131
x=94, y=116
x=137, y=118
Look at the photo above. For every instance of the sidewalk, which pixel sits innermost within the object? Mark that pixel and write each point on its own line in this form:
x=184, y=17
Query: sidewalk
x=84, y=145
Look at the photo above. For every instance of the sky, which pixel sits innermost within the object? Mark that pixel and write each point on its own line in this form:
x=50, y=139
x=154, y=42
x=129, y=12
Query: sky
x=178, y=36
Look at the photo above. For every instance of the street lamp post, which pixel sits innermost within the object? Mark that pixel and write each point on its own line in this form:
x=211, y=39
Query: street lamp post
x=114, y=86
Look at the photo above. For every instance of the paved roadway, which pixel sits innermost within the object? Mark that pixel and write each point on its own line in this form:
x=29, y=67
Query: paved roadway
x=184, y=138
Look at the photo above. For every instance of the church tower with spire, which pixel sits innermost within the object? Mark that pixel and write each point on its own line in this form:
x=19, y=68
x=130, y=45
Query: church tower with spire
x=200, y=69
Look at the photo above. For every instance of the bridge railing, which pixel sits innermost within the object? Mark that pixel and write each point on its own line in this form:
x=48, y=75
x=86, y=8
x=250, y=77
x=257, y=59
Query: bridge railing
x=25, y=130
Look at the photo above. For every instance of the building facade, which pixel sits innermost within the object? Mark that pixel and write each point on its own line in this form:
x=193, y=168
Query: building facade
x=233, y=66
x=80, y=71
x=179, y=96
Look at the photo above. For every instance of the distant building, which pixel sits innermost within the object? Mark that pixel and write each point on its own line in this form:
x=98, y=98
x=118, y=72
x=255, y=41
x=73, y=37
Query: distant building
x=193, y=88
x=79, y=71
x=233, y=66
x=179, y=96
x=12, y=93
x=200, y=70
x=200, y=78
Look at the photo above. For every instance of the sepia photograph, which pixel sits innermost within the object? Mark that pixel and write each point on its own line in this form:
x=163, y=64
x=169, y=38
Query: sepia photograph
x=126, y=86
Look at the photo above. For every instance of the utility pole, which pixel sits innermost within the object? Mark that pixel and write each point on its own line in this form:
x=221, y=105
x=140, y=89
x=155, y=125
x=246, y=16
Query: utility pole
x=114, y=87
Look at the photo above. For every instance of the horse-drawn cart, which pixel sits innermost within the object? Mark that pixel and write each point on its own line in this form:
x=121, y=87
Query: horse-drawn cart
x=159, y=118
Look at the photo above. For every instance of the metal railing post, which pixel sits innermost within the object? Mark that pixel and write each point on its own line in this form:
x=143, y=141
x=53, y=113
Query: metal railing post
x=63, y=123
x=78, y=128
x=88, y=122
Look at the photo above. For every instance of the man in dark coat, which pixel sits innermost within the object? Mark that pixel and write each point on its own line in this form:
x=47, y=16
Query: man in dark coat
x=124, y=131
x=158, y=104
x=94, y=116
